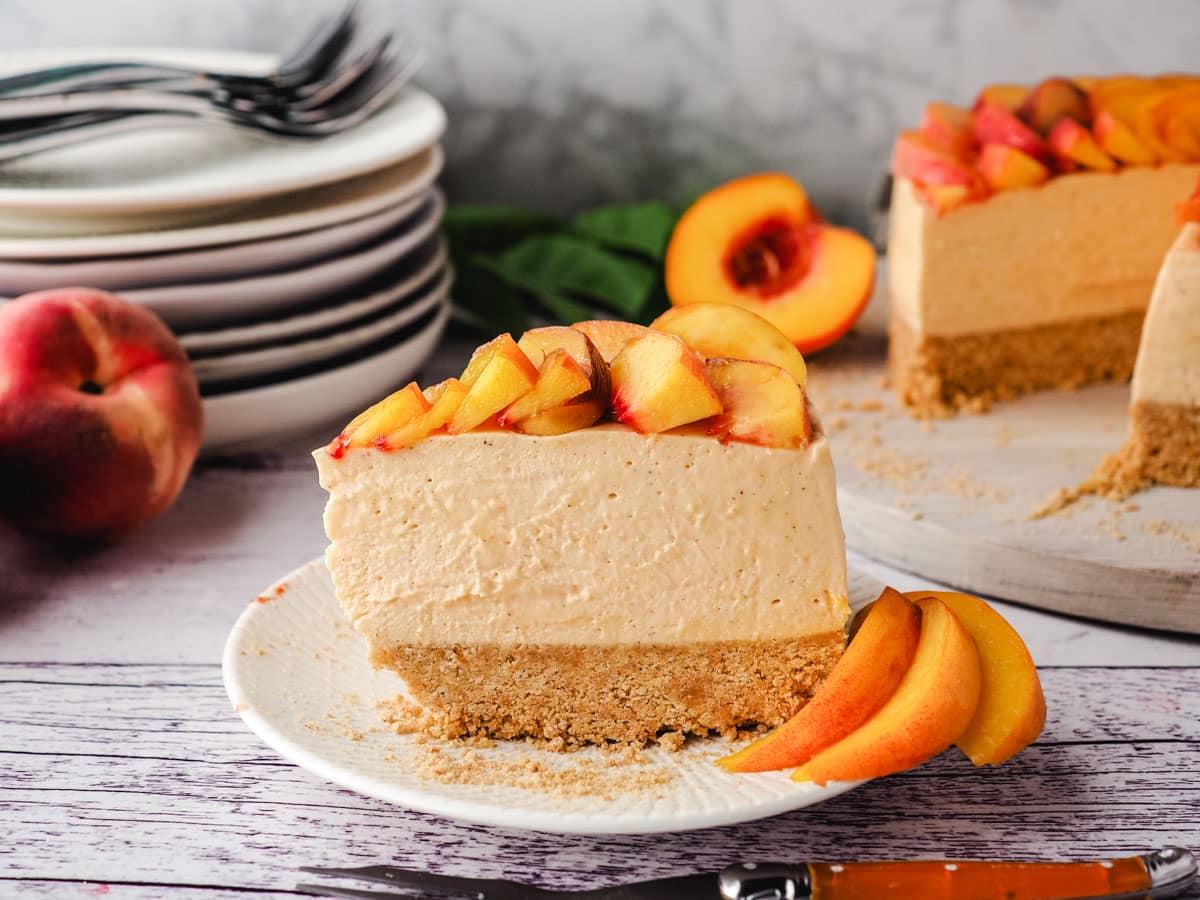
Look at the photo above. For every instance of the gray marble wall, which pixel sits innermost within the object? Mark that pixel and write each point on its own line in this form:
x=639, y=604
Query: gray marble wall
x=562, y=103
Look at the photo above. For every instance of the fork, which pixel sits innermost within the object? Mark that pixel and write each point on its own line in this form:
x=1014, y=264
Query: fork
x=313, y=57
x=342, y=100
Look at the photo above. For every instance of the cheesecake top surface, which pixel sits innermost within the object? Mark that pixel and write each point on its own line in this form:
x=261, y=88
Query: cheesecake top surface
x=597, y=536
x=1168, y=364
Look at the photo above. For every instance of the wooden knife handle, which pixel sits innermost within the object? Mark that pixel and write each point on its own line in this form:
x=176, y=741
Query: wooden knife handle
x=979, y=880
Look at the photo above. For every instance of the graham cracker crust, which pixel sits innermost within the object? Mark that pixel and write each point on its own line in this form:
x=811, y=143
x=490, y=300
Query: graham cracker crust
x=573, y=695
x=937, y=377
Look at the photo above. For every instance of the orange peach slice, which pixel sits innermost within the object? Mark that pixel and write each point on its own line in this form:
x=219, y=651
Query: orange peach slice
x=560, y=381
x=538, y=343
x=920, y=158
x=1052, y=101
x=610, y=336
x=658, y=384
x=948, y=126
x=1006, y=168
x=1176, y=118
x=1073, y=142
x=390, y=413
x=932, y=706
x=762, y=404
x=862, y=681
x=993, y=124
x=499, y=372
x=443, y=399
x=943, y=198
x=1012, y=708
x=1006, y=96
x=756, y=243
x=1118, y=140
x=721, y=330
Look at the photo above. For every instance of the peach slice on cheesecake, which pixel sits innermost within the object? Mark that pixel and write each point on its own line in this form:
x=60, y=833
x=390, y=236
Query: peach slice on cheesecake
x=1073, y=142
x=1005, y=168
x=761, y=404
x=932, y=706
x=609, y=335
x=499, y=372
x=1012, y=708
x=443, y=399
x=721, y=330
x=658, y=383
x=862, y=681
x=393, y=411
x=949, y=126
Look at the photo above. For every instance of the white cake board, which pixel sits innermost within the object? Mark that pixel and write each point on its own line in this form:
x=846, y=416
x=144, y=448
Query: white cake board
x=951, y=500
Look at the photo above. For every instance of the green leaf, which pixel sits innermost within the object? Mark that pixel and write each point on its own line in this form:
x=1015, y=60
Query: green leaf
x=643, y=228
x=566, y=264
x=555, y=303
x=489, y=299
x=473, y=229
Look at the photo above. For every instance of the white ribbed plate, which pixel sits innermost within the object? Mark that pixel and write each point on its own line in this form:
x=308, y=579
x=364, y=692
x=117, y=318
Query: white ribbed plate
x=299, y=677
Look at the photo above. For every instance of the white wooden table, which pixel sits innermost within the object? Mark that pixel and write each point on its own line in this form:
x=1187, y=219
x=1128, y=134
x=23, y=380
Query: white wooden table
x=124, y=771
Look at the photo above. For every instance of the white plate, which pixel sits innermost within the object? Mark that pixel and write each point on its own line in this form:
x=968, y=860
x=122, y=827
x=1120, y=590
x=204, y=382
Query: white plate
x=410, y=273
x=264, y=416
x=300, y=679
x=232, y=261
x=264, y=361
x=204, y=304
x=321, y=207
x=190, y=165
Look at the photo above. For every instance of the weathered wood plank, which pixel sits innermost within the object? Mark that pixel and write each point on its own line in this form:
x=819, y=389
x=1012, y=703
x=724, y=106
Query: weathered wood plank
x=57, y=890
x=169, y=821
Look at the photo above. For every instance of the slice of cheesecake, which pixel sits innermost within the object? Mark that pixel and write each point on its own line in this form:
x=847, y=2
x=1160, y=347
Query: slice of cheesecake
x=1165, y=402
x=675, y=566
x=1026, y=234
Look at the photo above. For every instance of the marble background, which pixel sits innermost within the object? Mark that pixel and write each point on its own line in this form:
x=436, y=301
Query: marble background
x=560, y=103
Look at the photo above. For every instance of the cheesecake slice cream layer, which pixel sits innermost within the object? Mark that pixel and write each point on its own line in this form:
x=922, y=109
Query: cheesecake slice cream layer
x=1165, y=402
x=1031, y=289
x=597, y=585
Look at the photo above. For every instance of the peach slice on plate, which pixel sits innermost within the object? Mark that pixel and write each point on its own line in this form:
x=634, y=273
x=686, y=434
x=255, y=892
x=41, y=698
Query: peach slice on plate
x=1012, y=707
x=1073, y=143
x=658, y=383
x=756, y=243
x=861, y=682
x=396, y=409
x=1052, y=101
x=499, y=372
x=720, y=330
x=932, y=706
x=610, y=336
x=762, y=404
x=948, y=126
x=1006, y=168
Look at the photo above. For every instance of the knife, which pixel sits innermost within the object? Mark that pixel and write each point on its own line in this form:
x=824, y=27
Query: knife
x=1163, y=873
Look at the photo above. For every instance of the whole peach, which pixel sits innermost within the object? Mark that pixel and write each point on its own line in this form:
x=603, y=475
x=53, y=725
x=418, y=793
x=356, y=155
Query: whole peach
x=100, y=416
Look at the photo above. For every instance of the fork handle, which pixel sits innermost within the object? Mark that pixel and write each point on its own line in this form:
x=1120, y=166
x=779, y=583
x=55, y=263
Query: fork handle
x=1163, y=873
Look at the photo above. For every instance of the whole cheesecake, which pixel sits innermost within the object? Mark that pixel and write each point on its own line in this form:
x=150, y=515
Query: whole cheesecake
x=675, y=565
x=1027, y=232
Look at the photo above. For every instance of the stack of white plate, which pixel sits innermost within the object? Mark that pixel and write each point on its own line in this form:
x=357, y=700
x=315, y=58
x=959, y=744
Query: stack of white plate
x=305, y=279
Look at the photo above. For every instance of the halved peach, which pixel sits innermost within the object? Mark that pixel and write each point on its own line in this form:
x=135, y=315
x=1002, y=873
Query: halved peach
x=756, y=243
x=443, y=398
x=390, y=413
x=1118, y=140
x=721, y=330
x=499, y=372
x=861, y=682
x=609, y=336
x=993, y=124
x=931, y=708
x=1006, y=96
x=1073, y=142
x=1052, y=101
x=1006, y=168
x=948, y=126
x=658, y=383
x=761, y=404
x=920, y=158
x=1012, y=707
